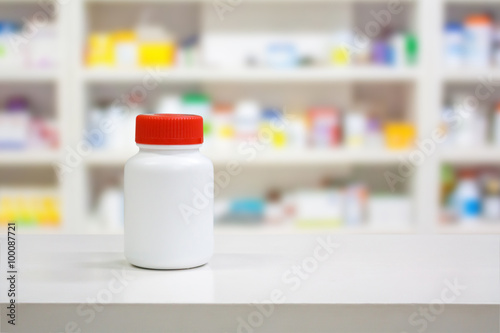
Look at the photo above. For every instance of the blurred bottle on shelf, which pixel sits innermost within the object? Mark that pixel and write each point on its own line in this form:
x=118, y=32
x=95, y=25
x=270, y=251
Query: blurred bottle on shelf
x=446, y=125
x=471, y=131
x=272, y=128
x=491, y=197
x=467, y=197
x=478, y=39
x=170, y=104
x=448, y=184
x=40, y=52
x=224, y=131
x=399, y=56
x=274, y=209
x=282, y=55
x=296, y=132
x=110, y=209
x=411, y=46
x=121, y=122
x=126, y=48
x=355, y=208
x=454, y=44
x=381, y=52
x=200, y=105
x=20, y=129
x=188, y=53
x=470, y=195
x=374, y=134
x=341, y=48
x=355, y=127
x=246, y=120
x=325, y=126
x=496, y=45
x=9, y=55
x=473, y=43
x=14, y=124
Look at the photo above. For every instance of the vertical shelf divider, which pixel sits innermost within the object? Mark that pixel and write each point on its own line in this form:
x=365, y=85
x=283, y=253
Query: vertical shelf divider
x=426, y=183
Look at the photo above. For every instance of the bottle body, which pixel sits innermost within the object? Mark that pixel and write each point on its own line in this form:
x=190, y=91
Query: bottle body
x=169, y=207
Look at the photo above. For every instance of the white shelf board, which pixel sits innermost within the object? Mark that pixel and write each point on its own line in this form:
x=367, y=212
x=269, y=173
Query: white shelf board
x=259, y=229
x=470, y=156
x=316, y=156
x=246, y=1
x=470, y=75
x=28, y=158
x=41, y=230
x=275, y=157
x=471, y=2
x=18, y=1
x=31, y=75
x=478, y=227
x=329, y=74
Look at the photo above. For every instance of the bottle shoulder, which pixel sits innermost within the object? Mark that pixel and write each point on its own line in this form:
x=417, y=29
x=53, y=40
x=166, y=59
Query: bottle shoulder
x=168, y=161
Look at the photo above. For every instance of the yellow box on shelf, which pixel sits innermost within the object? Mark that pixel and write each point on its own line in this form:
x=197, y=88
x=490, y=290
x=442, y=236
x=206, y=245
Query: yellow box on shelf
x=156, y=54
x=29, y=207
x=100, y=50
x=399, y=135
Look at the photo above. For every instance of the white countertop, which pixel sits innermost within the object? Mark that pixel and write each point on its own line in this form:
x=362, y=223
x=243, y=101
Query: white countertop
x=363, y=271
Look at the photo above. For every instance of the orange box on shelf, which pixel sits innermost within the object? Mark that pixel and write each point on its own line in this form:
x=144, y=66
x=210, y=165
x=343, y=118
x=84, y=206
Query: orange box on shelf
x=399, y=135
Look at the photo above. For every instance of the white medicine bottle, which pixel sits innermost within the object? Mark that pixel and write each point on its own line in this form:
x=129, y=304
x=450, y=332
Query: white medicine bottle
x=169, y=190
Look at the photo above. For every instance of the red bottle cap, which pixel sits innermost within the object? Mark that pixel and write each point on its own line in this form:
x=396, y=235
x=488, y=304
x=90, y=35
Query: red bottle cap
x=169, y=129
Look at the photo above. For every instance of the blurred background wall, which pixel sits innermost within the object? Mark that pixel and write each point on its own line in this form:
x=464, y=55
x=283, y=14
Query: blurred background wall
x=357, y=116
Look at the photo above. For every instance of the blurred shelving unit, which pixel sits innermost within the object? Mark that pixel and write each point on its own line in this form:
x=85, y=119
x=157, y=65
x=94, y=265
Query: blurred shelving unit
x=28, y=176
x=74, y=84
x=200, y=15
x=454, y=84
